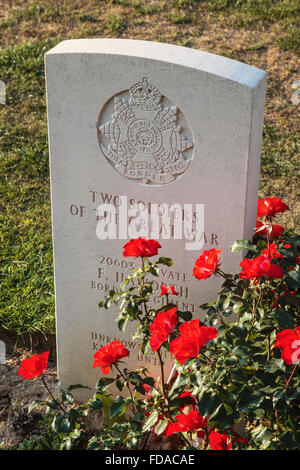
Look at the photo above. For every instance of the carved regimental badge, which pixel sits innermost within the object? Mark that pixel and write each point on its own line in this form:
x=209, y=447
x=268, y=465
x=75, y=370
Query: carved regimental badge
x=142, y=135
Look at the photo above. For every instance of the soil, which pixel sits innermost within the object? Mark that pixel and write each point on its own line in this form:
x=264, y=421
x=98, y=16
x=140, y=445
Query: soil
x=16, y=394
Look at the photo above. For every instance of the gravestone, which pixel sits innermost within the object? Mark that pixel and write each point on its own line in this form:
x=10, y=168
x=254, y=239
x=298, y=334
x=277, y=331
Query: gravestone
x=2, y=93
x=158, y=126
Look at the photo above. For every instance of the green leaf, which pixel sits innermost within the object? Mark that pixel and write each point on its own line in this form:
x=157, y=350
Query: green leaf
x=279, y=402
x=239, y=307
x=275, y=365
x=207, y=403
x=219, y=373
x=103, y=383
x=186, y=316
x=226, y=302
x=107, y=401
x=117, y=408
x=151, y=421
x=283, y=319
x=145, y=345
x=52, y=404
x=122, y=322
x=67, y=398
x=154, y=270
x=96, y=404
x=259, y=413
x=61, y=425
x=161, y=426
x=124, y=284
x=76, y=386
x=119, y=385
x=107, y=303
x=239, y=331
x=262, y=435
x=240, y=351
x=250, y=401
x=135, y=378
x=149, y=381
x=223, y=415
x=138, y=273
x=243, y=245
x=165, y=261
x=295, y=276
x=35, y=403
x=292, y=395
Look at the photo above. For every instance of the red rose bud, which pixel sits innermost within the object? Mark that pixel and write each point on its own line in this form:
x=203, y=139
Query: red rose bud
x=207, y=263
x=147, y=388
x=108, y=355
x=35, y=366
x=192, y=338
x=289, y=341
x=272, y=251
x=219, y=441
x=275, y=230
x=162, y=326
x=270, y=206
x=168, y=290
x=141, y=247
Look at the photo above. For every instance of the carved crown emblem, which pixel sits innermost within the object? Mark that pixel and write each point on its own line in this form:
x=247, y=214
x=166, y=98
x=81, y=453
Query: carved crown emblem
x=143, y=139
x=145, y=95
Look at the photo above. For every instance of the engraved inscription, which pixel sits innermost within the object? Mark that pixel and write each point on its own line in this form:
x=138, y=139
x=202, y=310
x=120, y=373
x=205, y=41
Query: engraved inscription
x=142, y=137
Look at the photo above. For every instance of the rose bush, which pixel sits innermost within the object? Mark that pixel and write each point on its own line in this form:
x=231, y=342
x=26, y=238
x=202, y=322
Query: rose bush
x=236, y=368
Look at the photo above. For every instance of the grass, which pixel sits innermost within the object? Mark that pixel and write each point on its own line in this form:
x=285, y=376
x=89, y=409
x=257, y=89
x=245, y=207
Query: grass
x=262, y=33
x=27, y=301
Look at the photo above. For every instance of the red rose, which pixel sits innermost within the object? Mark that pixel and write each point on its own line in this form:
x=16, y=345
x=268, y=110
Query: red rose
x=219, y=441
x=289, y=341
x=260, y=266
x=162, y=326
x=141, y=247
x=35, y=366
x=276, y=230
x=190, y=422
x=147, y=388
x=192, y=338
x=109, y=354
x=168, y=290
x=272, y=252
x=270, y=206
x=207, y=263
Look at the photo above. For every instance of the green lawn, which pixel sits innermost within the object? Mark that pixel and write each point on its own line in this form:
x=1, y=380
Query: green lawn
x=259, y=32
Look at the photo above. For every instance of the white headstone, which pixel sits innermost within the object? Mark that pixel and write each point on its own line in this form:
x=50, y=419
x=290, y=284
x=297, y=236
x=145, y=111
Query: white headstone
x=2, y=92
x=2, y=352
x=158, y=124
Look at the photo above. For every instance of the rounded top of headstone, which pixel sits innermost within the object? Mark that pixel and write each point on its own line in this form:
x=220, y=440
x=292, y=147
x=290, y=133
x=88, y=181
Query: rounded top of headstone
x=224, y=67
